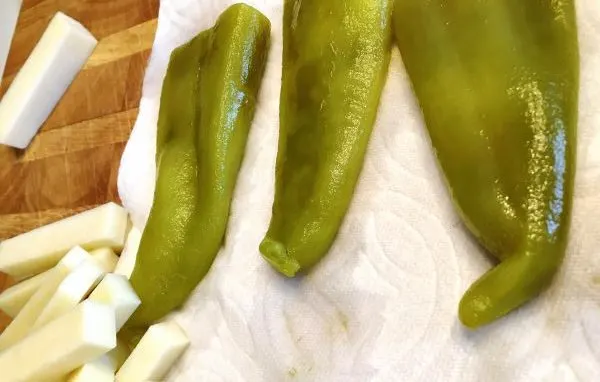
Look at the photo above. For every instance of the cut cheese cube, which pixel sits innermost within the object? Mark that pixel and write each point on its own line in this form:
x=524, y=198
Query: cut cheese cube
x=156, y=353
x=128, y=257
x=82, y=335
x=26, y=318
x=13, y=299
x=106, y=258
x=36, y=251
x=9, y=14
x=115, y=290
x=74, y=289
x=99, y=370
x=44, y=78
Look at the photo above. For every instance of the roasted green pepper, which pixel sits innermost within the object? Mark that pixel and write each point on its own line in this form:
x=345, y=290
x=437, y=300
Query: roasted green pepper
x=335, y=61
x=207, y=105
x=497, y=81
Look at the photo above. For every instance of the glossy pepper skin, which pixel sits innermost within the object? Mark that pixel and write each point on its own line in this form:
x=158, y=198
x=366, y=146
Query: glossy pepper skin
x=497, y=81
x=207, y=105
x=335, y=60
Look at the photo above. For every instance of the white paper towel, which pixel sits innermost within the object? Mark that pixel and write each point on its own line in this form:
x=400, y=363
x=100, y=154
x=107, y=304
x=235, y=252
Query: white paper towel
x=382, y=306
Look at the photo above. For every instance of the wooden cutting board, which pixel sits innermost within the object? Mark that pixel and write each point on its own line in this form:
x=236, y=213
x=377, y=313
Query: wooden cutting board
x=72, y=163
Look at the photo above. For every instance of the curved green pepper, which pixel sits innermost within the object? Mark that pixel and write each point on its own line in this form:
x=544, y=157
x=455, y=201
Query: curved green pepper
x=335, y=61
x=207, y=105
x=498, y=85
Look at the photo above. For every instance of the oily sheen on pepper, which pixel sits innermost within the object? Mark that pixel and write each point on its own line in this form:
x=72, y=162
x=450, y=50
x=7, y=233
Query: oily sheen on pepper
x=207, y=106
x=335, y=60
x=498, y=84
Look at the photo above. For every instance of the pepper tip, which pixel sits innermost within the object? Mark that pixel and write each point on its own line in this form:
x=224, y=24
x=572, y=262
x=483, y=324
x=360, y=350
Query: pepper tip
x=468, y=313
x=276, y=254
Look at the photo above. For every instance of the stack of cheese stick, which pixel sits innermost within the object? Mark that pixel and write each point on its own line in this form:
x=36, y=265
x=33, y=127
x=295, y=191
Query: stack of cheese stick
x=72, y=300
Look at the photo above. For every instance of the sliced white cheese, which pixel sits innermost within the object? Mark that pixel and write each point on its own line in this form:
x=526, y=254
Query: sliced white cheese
x=44, y=78
x=9, y=14
x=99, y=370
x=128, y=256
x=103, y=368
x=119, y=354
x=115, y=290
x=14, y=298
x=36, y=251
x=106, y=258
x=82, y=335
x=24, y=321
x=74, y=289
x=156, y=353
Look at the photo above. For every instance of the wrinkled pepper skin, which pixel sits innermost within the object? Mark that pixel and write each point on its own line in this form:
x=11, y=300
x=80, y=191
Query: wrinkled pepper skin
x=207, y=105
x=497, y=81
x=335, y=60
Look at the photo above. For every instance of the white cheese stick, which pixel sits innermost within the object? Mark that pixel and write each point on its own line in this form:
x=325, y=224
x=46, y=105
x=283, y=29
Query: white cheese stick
x=24, y=321
x=103, y=368
x=14, y=298
x=74, y=289
x=119, y=354
x=44, y=78
x=9, y=14
x=156, y=353
x=36, y=251
x=105, y=258
x=99, y=370
x=115, y=291
x=82, y=335
x=128, y=257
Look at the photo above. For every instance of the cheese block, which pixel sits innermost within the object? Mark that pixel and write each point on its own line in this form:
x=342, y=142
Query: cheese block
x=38, y=250
x=74, y=289
x=14, y=298
x=9, y=14
x=79, y=337
x=26, y=318
x=115, y=290
x=128, y=257
x=155, y=354
x=106, y=258
x=44, y=78
x=99, y=370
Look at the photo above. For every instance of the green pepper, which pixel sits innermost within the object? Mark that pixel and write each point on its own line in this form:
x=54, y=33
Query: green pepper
x=207, y=104
x=497, y=81
x=335, y=60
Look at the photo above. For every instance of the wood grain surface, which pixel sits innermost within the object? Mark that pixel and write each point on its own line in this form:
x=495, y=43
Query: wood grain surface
x=72, y=164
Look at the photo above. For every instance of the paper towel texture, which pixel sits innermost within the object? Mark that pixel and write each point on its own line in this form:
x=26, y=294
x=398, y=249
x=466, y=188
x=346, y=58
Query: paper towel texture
x=382, y=306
